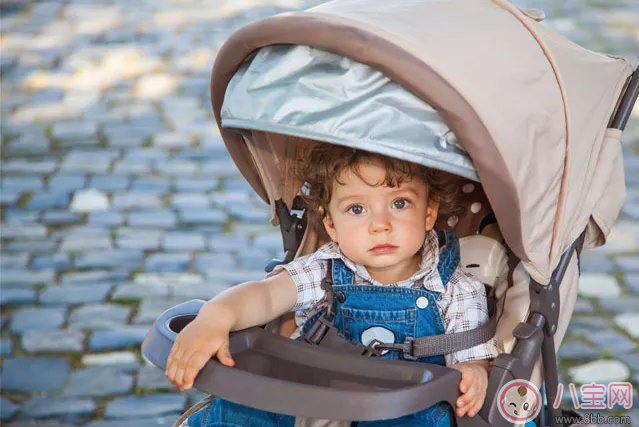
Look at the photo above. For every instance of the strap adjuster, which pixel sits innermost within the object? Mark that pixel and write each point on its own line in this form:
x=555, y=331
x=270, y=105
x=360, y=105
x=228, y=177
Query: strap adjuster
x=318, y=331
x=407, y=349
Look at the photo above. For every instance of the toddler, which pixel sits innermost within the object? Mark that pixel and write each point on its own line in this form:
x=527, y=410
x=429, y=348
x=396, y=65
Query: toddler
x=394, y=277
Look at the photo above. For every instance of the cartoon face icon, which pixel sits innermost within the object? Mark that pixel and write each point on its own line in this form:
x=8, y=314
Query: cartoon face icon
x=519, y=401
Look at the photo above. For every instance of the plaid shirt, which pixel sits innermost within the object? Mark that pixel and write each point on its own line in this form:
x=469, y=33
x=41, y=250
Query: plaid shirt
x=462, y=304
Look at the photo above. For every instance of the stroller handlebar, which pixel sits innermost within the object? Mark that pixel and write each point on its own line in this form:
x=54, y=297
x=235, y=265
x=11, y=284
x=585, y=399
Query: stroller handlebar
x=282, y=375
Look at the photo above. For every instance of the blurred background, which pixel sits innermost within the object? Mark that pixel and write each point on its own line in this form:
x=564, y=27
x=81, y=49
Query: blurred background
x=119, y=200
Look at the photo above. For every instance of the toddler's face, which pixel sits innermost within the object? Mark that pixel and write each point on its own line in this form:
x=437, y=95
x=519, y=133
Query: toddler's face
x=378, y=226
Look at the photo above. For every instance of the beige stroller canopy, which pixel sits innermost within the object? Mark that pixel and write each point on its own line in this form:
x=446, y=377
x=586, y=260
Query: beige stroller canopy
x=531, y=109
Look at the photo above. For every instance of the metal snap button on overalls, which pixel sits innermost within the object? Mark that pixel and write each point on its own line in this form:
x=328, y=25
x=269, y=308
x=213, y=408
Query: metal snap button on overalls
x=422, y=302
x=340, y=296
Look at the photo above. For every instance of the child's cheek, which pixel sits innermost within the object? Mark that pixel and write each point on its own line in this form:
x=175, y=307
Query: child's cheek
x=348, y=224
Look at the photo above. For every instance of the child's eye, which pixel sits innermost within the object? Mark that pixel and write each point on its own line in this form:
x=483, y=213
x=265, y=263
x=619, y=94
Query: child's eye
x=356, y=209
x=401, y=204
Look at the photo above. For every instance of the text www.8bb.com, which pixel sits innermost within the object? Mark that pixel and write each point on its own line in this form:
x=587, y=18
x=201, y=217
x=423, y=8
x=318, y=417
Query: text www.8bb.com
x=593, y=418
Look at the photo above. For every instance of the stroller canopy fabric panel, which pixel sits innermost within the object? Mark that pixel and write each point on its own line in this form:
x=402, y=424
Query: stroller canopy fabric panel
x=487, y=75
x=315, y=94
x=592, y=83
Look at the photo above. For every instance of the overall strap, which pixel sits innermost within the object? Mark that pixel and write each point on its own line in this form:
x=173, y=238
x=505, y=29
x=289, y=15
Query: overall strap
x=341, y=274
x=336, y=274
x=322, y=331
x=446, y=343
x=449, y=256
x=327, y=286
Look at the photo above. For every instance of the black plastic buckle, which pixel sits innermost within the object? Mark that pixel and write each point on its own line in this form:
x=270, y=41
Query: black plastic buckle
x=367, y=350
x=406, y=348
x=318, y=331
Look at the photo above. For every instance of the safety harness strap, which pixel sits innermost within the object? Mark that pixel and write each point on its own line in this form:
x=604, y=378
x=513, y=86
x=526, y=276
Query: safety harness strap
x=411, y=348
x=415, y=348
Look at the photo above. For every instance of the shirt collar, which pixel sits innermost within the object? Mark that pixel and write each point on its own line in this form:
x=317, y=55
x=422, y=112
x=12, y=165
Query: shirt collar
x=427, y=273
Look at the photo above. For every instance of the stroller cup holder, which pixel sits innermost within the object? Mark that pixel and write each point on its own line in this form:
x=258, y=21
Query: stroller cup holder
x=282, y=375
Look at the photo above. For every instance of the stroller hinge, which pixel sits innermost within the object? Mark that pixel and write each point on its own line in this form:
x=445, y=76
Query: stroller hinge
x=292, y=228
x=545, y=299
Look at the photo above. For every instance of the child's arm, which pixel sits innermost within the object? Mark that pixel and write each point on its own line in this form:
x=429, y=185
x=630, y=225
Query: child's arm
x=239, y=307
x=473, y=386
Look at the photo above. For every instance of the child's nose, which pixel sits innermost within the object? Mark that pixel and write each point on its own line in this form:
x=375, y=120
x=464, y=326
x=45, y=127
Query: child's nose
x=380, y=223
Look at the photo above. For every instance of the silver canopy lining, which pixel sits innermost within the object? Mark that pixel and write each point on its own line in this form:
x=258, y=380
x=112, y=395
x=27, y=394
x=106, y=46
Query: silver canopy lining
x=315, y=94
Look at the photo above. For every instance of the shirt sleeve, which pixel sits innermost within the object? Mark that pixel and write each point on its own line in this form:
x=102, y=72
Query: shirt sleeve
x=307, y=272
x=468, y=310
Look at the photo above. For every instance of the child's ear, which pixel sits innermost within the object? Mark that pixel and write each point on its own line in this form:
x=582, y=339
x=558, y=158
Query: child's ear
x=330, y=227
x=431, y=212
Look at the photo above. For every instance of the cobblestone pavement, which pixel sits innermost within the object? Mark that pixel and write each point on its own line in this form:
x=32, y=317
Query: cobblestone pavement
x=119, y=201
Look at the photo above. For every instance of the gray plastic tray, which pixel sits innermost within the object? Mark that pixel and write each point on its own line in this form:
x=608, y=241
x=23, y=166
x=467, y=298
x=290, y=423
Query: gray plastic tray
x=281, y=375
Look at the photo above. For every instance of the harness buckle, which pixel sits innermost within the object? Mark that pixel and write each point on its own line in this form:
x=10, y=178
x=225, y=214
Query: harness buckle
x=322, y=333
x=371, y=349
x=406, y=348
x=318, y=330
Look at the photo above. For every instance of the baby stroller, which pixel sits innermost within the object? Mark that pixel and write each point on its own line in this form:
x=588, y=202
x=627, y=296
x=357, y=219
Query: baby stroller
x=436, y=83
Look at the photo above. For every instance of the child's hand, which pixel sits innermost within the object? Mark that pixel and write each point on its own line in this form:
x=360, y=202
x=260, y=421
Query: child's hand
x=473, y=386
x=239, y=307
x=194, y=346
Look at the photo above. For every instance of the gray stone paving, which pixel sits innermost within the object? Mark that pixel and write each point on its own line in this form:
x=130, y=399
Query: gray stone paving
x=119, y=200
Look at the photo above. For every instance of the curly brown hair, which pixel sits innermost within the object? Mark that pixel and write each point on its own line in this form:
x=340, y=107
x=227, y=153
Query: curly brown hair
x=320, y=168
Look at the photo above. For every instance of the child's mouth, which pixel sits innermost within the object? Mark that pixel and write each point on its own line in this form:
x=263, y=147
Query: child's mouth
x=382, y=249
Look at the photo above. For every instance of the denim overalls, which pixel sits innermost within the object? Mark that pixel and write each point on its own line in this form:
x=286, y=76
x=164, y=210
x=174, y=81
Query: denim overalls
x=364, y=313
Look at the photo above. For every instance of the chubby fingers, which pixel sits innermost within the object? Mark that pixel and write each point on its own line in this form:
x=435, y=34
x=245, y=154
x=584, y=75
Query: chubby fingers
x=183, y=364
x=479, y=400
x=475, y=406
x=192, y=367
x=172, y=363
x=197, y=361
x=471, y=402
x=224, y=355
x=467, y=400
x=473, y=388
x=176, y=365
x=184, y=369
x=179, y=367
